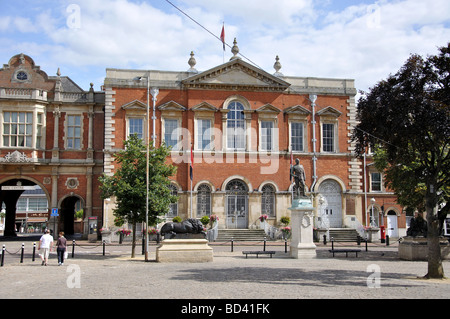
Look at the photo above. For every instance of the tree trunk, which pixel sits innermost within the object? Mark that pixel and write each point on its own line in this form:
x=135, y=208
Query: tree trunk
x=435, y=269
x=133, y=243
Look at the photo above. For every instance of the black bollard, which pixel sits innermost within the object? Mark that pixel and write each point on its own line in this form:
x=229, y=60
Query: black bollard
x=73, y=248
x=324, y=239
x=387, y=240
x=285, y=246
x=264, y=244
x=366, y=243
x=21, y=253
x=34, y=251
x=232, y=244
x=104, y=248
x=332, y=243
x=3, y=255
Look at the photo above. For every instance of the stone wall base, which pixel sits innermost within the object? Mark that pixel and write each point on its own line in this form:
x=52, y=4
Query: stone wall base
x=416, y=249
x=184, y=250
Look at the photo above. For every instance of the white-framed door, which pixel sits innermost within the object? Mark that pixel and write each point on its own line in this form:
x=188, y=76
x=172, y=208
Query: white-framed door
x=331, y=209
x=392, y=225
x=237, y=205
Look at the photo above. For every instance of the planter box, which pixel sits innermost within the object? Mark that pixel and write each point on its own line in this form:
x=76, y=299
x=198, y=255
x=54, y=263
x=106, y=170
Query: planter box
x=416, y=249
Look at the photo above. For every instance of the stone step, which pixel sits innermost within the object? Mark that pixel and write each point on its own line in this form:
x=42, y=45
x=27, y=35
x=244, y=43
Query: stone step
x=241, y=235
x=343, y=234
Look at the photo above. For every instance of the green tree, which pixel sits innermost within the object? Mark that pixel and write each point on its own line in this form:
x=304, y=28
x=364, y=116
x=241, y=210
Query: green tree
x=129, y=186
x=405, y=119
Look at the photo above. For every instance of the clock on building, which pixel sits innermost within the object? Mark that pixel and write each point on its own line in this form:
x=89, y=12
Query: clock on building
x=22, y=76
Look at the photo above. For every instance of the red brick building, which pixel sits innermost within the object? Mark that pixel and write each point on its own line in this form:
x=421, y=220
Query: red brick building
x=51, y=149
x=243, y=125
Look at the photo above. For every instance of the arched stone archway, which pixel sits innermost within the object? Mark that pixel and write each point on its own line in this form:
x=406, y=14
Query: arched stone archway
x=10, y=192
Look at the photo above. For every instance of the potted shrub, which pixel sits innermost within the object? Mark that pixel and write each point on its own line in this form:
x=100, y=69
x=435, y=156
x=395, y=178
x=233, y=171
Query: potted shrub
x=205, y=220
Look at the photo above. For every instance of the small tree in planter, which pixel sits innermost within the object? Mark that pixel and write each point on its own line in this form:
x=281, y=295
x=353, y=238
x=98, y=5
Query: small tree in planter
x=205, y=221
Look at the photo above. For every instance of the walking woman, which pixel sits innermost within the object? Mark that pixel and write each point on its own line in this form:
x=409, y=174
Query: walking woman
x=61, y=246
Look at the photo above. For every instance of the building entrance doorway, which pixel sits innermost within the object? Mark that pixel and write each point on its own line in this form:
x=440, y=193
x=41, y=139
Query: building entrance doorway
x=392, y=225
x=68, y=220
x=331, y=210
x=237, y=205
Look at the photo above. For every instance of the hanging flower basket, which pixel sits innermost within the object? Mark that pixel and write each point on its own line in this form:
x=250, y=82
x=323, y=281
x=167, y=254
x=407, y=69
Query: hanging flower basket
x=263, y=218
x=123, y=232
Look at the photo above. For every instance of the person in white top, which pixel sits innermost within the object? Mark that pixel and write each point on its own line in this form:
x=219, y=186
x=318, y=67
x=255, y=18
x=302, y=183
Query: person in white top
x=45, y=245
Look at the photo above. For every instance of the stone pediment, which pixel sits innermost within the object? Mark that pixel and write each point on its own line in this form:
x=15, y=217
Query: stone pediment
x=135, y=105
x=329, y=111
x=204, y=107
x=297, y=110
x=268, y=108
x=172, y=106
x=236, y=75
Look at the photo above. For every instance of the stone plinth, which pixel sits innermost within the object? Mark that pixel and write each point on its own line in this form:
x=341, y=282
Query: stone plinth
x=416, y=248
x=302, y=219
x=184, y=250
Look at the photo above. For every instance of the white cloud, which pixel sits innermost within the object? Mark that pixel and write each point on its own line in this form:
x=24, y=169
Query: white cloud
x=363, y=41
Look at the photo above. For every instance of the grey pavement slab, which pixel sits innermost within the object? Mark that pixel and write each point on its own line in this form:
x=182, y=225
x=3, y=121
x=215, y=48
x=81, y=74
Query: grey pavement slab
x=375, y=274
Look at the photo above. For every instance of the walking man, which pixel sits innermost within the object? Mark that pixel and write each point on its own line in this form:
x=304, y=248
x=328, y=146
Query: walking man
x=45, y=246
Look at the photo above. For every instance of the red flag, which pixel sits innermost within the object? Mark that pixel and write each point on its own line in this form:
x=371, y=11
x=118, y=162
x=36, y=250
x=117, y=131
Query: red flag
x=222, y=36
x=191, y=168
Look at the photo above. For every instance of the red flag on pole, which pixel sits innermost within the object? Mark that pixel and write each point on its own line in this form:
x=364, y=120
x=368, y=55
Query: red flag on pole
x=192, y=165
x=222, y=36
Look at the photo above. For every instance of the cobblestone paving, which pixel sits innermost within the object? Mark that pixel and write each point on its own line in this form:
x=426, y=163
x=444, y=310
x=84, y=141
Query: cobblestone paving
x=90, y=275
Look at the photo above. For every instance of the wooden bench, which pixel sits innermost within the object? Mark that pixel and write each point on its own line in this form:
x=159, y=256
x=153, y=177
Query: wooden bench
x=346, y=251
x=257, y=253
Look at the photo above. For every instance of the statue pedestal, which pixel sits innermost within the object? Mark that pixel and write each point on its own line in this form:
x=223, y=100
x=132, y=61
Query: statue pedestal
x=184, y=250
x=302, y=218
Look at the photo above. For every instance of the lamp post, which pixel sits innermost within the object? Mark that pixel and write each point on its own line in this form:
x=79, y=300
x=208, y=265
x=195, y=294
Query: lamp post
x=372, y=201
x=154, y=92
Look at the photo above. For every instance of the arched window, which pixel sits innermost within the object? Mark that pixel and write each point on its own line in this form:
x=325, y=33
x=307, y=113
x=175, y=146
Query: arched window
x=204, y=200
x=268, y=200
x=173, y=208
x=236, y=126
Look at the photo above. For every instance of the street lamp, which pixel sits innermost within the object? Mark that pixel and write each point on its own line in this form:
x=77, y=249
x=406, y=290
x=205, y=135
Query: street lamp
x=372, y=201
x=154, y=92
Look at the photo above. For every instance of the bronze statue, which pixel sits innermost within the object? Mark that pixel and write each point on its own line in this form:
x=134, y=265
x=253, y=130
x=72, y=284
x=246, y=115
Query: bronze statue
x=417, y=227
x=189, y=226
x=298, y=172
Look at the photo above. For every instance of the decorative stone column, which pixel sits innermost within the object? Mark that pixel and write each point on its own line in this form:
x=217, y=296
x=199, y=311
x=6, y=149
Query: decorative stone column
x=302, y=219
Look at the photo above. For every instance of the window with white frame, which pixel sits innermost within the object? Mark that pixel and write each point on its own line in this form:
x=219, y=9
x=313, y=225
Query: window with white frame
x=447, y=226
x=267, y=136
x=73, y=136
x=375, y=182
x=204, y=200
x=328, y=137
x=136, y=126
x=268, y=200
x=173, y=207
x=297, y=136
x=204, y=135
x=171, y=133
x=17, y=129
x=236, y=135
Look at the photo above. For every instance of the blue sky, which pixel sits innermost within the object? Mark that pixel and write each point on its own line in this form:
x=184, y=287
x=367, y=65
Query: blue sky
x=363, y=40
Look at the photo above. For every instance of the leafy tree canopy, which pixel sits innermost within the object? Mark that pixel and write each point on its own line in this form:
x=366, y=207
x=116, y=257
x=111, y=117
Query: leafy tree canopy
x=128, y=184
